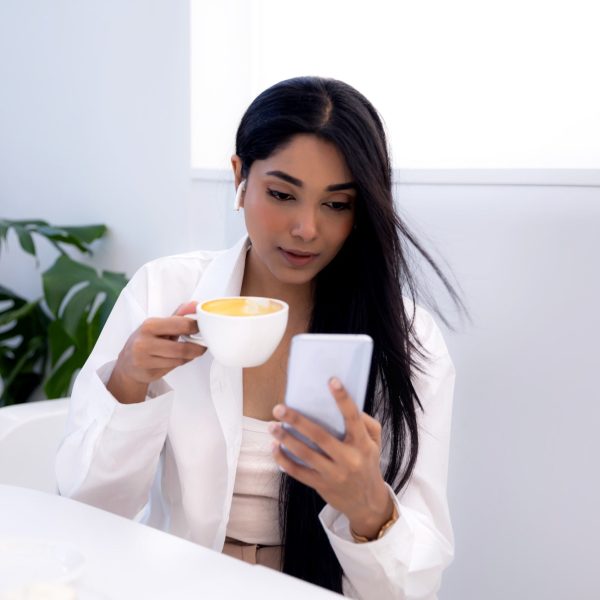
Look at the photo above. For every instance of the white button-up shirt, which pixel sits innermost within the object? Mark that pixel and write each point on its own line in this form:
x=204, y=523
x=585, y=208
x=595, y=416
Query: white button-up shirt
x=171, y=461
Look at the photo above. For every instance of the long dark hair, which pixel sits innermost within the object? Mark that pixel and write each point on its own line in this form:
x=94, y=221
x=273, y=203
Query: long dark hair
x=361, y=291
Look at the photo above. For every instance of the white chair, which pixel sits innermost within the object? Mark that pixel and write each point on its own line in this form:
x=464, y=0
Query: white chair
x=29, y=437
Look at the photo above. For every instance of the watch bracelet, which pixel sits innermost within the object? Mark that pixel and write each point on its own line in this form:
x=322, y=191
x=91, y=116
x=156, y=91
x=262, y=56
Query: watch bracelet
x=362, y=539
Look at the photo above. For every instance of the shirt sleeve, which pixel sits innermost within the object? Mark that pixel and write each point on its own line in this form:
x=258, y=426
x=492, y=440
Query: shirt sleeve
x=408, y=561
x=110, y=451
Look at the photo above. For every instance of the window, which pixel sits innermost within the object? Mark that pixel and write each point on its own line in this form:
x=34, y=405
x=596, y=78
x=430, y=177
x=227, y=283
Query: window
x=460, y=85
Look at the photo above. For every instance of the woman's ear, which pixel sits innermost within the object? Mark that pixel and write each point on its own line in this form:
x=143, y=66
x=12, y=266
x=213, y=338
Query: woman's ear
x=236, y=164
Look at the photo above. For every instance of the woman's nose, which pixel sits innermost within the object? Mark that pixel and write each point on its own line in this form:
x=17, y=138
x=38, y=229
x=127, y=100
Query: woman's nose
x=305, y=225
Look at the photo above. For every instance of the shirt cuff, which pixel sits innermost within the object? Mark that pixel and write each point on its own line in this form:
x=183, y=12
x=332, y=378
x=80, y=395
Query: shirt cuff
x=337, y=528
x=153, y=413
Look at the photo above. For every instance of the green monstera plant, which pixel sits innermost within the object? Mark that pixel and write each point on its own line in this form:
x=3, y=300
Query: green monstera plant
x=47, y=340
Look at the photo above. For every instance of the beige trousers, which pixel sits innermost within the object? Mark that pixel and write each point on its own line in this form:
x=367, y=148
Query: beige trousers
x=254, y=554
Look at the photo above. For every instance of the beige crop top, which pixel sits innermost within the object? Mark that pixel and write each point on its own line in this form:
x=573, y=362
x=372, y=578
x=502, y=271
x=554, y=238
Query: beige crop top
x=254, y=516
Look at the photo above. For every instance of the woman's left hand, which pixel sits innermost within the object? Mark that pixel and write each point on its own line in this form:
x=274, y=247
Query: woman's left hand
x=348, y=478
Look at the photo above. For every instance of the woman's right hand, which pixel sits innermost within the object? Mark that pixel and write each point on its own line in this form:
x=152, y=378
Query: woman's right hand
x=151, y=352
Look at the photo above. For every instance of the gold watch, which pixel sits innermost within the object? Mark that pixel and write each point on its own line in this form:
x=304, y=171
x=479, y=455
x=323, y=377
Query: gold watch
x=361, y=539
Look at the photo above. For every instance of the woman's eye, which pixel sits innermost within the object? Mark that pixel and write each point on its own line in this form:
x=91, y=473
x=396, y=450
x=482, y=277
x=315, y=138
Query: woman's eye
x=339, y=206
x=279, y=195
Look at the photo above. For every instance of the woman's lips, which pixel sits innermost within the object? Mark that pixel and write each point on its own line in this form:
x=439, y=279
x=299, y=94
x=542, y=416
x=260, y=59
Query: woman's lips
x=297, y=259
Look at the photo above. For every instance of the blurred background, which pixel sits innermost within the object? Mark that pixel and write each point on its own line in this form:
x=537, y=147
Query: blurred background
x=124, y=113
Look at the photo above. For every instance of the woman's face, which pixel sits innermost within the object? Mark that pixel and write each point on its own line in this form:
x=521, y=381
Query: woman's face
x=299, y=208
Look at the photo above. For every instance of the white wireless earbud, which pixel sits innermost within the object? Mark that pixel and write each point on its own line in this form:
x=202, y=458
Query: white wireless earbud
x=239, y=194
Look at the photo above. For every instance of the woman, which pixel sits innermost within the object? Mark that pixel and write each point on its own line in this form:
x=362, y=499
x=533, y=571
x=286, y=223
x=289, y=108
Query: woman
x=161, y=433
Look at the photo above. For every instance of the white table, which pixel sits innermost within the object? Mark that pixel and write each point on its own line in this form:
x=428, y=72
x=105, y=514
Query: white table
x=127, y=560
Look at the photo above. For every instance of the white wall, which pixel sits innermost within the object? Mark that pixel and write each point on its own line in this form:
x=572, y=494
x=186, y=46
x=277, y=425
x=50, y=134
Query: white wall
x=94, y=121
x=525, y=443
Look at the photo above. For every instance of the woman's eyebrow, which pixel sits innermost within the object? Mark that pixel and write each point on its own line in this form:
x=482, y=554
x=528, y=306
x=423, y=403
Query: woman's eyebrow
x=336, y=187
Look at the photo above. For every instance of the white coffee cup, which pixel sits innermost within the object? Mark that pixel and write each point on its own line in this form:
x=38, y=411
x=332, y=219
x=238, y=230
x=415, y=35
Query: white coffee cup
x=240, y=331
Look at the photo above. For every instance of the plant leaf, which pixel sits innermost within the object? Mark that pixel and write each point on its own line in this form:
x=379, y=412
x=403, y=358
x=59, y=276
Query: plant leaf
x=63, y=275
x=27, y=222
x=28, y=337
x=25, y=239
x=115, y=282
x=18, y=313
x=4, y=225
x=80, y=237
x=88, y=233
x=20, y=227
x=23, y=385
x=23, y=347
x=8, y=294
x=78, y=308
x=75, y=329
x=58, y=341
x=58, y=383
x=54, y=234
x=22, y=364
x=94, y=327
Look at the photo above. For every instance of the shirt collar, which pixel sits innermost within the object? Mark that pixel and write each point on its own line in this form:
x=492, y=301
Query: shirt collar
x=224, y=275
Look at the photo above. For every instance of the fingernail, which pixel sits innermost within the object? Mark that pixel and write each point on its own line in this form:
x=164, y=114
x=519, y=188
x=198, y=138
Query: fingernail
x=274, y=446
x=272, y=427
x=335, y=383
x=278, y=411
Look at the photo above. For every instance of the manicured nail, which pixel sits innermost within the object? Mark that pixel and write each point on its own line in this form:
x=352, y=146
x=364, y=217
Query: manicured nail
x=272, y=427
x=335, y=383
x=274, y=446
x=279, y=411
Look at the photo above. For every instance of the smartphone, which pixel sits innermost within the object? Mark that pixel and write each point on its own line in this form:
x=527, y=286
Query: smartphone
x=314, y=359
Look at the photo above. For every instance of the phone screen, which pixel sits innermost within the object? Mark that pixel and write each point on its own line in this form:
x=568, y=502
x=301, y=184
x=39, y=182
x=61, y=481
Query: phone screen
x=314, y=359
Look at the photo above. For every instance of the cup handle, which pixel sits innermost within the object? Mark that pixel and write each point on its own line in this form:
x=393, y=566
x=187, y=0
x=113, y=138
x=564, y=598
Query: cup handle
x=195, y=338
